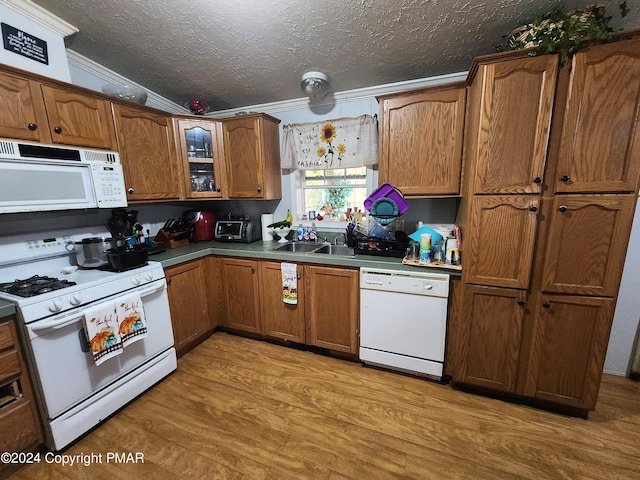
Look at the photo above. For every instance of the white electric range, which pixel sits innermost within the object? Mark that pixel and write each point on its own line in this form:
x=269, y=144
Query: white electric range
x=74, y=393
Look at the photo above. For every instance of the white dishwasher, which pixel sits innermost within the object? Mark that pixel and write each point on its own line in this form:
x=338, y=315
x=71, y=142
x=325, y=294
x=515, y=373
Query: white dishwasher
x=403, y=320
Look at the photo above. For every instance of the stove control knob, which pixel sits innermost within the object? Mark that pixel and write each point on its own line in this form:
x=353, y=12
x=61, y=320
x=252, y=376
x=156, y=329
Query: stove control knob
x=76, y=299
x=135, y=280
x=56, y=305
x=148, y=276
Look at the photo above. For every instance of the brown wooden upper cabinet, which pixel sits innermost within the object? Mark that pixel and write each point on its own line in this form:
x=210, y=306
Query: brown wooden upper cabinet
x=501, y=239
x=509, y=119
x=587, y=244
x=421, y=140
x=201, y=157
x=252, y=156
x=79, y=119
x=23, y=115
x=148, y=154
x=44, y=113
x=600, y=145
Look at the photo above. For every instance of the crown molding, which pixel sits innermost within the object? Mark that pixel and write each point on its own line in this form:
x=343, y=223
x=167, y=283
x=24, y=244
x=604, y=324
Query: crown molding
x=43, y=17
x=109, y=76
x=345, y=96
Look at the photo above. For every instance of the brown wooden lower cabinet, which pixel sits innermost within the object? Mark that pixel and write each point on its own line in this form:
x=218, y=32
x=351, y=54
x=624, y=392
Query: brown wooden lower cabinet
x=279, y=319
x=333, y=307
x=549, y=348
x=241, y=295
x=188, y=304
x=326, y=315
x=490, y=337
x=569, y=347
x=19, y=421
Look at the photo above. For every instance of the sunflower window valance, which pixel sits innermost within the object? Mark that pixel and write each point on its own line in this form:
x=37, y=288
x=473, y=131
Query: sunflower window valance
x=339, y=143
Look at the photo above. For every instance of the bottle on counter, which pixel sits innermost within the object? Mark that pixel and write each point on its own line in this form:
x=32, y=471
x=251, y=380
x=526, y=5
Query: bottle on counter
x=300, y=232
x=313, y=234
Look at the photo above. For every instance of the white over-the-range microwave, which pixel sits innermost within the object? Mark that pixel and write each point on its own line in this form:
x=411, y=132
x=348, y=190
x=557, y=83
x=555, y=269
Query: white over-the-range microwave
x=36, y=177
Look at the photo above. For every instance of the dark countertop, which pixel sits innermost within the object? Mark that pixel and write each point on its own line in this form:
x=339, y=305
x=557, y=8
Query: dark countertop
x=6, y=309
x=264, y=250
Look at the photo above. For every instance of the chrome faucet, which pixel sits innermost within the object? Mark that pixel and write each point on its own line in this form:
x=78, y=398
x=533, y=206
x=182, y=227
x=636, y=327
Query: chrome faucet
x=344, y=239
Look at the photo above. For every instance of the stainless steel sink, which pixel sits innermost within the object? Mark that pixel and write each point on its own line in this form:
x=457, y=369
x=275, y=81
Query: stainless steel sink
x=315, y=247
x=335, y=250
x=299, y=247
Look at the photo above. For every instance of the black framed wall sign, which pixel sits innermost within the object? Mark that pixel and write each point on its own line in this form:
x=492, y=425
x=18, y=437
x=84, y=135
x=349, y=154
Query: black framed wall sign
x=24, y=44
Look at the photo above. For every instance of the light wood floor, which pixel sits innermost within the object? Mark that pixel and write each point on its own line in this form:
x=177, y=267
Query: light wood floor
x=244, y=409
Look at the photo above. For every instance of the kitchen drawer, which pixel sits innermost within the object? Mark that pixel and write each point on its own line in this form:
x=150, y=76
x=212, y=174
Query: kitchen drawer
x=9, y=366
x=6, y=340
x=18, y=427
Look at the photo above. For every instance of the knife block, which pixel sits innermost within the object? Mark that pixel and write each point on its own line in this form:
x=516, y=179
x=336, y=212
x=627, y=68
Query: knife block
x=173, y=239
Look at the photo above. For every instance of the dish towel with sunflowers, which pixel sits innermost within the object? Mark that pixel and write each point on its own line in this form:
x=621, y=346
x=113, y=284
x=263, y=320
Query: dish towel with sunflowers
x=339, y=143
x=101, y=326
x=289, y=283
x=133, y=325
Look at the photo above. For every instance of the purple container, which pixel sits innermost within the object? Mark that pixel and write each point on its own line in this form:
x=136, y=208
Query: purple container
x=389, y=191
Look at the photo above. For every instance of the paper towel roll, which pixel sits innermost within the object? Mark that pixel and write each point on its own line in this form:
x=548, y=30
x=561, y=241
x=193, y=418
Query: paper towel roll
x=266, y=219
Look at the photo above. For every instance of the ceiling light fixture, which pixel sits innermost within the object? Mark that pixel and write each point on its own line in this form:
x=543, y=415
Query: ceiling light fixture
x=315, y=84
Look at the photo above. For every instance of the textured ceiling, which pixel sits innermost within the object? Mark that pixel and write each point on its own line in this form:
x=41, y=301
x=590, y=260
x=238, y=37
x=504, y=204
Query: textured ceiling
x=236, y=53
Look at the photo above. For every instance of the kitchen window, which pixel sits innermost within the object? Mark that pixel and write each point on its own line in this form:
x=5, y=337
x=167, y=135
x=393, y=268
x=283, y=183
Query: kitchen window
x=333, y=193
x=330, y=192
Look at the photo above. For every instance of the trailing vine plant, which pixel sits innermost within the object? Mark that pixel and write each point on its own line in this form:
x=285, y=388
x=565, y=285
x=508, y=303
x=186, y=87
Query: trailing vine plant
x=564, y=33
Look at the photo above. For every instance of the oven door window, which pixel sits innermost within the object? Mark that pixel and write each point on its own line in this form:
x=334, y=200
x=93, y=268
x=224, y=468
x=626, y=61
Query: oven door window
x=65, y=366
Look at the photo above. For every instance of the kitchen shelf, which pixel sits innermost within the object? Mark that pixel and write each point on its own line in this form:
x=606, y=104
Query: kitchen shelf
x=416, y=263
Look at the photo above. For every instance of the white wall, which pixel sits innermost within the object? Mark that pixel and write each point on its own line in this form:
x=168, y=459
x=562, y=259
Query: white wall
x=46, y=27
x=626, y=320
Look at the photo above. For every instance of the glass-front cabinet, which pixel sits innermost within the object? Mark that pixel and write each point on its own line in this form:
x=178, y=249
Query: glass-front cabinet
x=201, y=157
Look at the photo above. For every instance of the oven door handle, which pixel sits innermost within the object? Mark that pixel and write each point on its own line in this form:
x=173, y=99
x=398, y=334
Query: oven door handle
x=66, y=320
x=149, y=291
x=57, y=323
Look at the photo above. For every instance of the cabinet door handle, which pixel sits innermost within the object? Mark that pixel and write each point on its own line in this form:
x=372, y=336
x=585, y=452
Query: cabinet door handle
x=218, y=189
x=521, y=303
x=168, y=281
x=129, y=190
x=253, y=270
x=546, y=305
x=564, y=178
x=533, y=209
x=57, y=129
x=537, y=180
x=299, y=276
x=563, y=208
x=32, y=126
x=259, y=189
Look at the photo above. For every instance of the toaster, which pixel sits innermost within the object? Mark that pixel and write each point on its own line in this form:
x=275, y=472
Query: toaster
x=241, y=231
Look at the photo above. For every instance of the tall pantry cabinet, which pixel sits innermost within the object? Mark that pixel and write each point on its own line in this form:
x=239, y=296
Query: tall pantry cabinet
x=552, y=159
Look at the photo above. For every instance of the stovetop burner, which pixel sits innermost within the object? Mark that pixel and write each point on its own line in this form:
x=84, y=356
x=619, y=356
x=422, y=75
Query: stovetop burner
x=36, y=285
